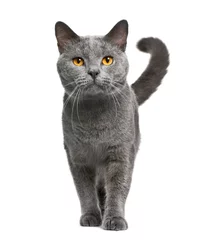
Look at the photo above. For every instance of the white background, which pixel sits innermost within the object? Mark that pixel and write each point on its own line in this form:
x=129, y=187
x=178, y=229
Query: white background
x=37, y=196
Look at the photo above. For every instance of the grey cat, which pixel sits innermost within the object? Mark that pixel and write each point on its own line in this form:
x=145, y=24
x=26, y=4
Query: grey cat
x=100, y=117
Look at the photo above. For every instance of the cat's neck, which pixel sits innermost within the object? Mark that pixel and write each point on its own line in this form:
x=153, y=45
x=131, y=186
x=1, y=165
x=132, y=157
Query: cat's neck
x=99, y=103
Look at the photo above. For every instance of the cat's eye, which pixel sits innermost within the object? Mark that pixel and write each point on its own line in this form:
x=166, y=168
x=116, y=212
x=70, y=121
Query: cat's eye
x=78, y=61
x=107, y=61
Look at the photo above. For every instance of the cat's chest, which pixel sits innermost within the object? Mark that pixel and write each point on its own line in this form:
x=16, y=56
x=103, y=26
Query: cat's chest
x=113, y=130
x=107, y=125
x=91, y=131
x=99, y=132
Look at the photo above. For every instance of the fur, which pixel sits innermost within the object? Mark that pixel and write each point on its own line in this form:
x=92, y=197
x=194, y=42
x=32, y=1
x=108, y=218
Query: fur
x=100, y=118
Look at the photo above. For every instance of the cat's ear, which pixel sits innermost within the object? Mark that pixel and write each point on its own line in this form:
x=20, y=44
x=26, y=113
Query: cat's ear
x=118, y=34
x=64, y=34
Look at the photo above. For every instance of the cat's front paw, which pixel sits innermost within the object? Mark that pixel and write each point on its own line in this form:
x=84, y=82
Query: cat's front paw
x=114, y=223
x=90, y=220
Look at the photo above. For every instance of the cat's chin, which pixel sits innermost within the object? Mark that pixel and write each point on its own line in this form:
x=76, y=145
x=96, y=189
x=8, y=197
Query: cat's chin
x=94, y=90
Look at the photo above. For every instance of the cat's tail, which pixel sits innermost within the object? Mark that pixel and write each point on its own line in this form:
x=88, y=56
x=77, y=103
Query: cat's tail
x=151, y=78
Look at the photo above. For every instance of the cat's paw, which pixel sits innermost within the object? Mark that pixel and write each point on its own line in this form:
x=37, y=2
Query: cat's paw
x=90, y=220
x=114, y=223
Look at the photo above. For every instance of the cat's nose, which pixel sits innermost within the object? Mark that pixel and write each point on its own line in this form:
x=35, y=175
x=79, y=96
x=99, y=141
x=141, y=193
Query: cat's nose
x=93, y=73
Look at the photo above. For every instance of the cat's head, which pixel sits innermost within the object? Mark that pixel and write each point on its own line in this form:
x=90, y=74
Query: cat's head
x=92, y=65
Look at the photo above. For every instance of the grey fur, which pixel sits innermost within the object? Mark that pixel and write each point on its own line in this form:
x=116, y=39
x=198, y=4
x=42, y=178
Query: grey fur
x=151, y=78
x=100, y=123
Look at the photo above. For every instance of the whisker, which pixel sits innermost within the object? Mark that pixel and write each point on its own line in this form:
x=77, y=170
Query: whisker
x=106, y=81
x=69, y=97
x=80, y=78
x=68, y=84
x=82, y=82
x=122, y=85
x=72, y=112
x=120, y=92
x=114, y=104
x=116, y=99
x=77, y=108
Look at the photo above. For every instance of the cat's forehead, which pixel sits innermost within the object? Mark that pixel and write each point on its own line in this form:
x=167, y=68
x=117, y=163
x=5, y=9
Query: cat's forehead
x=92, y=42
x=92, y=46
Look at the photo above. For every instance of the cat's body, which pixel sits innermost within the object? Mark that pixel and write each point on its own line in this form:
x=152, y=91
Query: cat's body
x=100, y=120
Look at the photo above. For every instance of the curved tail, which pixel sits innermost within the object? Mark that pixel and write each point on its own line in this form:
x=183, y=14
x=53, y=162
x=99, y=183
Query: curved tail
x=151, y=78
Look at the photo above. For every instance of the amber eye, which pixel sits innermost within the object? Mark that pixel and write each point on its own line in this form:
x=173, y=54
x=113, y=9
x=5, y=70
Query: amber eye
x=78, y=61
x=107, y=60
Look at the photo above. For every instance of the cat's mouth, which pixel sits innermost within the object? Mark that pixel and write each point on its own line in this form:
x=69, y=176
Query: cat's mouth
x=95, y=88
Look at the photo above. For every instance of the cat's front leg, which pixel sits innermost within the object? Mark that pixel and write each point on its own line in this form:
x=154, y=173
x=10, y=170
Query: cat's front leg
x=118, y=178
x=84, y=179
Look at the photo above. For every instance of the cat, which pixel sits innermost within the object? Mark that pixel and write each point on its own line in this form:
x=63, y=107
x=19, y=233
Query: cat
x=100, y=116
